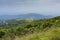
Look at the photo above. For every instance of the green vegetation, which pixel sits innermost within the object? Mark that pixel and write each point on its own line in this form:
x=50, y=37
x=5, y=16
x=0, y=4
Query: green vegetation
x=44, y=29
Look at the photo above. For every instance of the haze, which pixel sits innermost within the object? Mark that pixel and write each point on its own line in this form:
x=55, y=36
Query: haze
x=46, y=7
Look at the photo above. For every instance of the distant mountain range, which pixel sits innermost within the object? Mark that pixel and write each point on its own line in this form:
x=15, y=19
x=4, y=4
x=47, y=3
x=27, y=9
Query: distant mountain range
x=34, y=16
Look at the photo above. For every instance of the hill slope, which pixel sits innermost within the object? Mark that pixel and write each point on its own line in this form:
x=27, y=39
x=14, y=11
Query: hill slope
x=50, y=30
x=44, y=29
x=51, y=34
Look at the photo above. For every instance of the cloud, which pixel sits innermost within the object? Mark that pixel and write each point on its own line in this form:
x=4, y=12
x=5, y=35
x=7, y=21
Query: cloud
x=26, y=6
x=55, y=1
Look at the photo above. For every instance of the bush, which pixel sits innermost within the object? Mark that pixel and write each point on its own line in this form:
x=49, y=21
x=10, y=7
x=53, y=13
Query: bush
x=2, y=33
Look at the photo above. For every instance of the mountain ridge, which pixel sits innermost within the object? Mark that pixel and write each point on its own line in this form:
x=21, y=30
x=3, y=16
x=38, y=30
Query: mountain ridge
x=35, y=16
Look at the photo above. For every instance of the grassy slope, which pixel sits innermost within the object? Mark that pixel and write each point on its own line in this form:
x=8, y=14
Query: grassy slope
x=47, y=29
x=51, y=34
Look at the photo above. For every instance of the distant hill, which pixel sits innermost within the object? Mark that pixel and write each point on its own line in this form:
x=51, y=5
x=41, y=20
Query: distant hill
x=34, y=16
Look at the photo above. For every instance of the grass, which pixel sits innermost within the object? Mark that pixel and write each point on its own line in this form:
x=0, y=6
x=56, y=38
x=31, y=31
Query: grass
x=51, y=34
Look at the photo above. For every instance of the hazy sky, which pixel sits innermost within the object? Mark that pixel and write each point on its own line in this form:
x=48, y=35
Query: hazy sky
x=51, y=7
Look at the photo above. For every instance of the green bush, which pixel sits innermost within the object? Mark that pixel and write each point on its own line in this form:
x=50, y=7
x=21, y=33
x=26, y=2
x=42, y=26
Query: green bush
x=2, y=33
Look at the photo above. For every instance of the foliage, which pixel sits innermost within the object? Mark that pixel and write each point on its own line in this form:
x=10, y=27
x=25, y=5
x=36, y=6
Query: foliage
x=20, y=28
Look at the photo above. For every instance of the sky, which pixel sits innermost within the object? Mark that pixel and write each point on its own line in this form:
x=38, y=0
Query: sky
x=46, y=7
